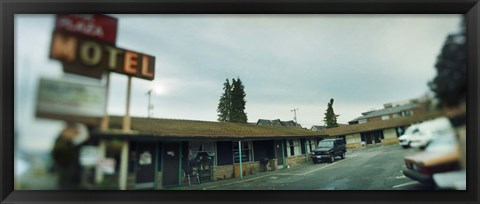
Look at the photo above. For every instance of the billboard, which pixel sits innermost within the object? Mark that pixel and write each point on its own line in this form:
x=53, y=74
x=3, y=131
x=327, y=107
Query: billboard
x=70, y=101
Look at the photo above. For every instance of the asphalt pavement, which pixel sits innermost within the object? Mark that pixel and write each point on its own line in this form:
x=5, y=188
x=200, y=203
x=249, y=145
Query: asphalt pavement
x=370, y=168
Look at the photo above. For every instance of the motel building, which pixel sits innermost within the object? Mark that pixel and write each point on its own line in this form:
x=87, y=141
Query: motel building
x=156, y=152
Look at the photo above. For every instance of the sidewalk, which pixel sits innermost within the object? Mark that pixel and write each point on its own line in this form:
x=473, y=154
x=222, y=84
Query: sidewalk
x=232, y=181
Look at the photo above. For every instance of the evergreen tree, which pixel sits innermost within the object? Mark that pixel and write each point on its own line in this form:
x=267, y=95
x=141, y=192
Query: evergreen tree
x=330, y=117
x=238, y=102
x=450, y=84
x=224, y=105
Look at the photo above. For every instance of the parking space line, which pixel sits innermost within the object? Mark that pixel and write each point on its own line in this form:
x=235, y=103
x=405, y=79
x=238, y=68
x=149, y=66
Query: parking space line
x=405, y=184
x=308, y=172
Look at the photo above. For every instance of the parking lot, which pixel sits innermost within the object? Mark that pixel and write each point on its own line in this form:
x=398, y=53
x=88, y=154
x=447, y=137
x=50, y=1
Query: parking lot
x=371, y=168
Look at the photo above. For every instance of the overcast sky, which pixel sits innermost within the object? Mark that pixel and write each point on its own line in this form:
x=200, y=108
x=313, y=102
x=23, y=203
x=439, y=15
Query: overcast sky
x=284, y=61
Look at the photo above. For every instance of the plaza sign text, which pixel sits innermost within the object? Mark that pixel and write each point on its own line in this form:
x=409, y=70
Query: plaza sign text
x=97, y=26
x=83, y=52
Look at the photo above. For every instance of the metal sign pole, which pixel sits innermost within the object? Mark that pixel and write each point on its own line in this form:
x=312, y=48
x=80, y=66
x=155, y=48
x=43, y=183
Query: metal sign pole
x=124, y=155
x=105, y=121
x=126, y=118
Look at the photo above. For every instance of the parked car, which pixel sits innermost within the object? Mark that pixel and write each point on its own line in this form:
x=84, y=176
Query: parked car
x=429, y=130
x=405, y=139
x=441, y=155
x=328, y=149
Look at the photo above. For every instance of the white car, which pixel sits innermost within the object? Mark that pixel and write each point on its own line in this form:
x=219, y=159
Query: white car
x=404, y=140
x=429, y=130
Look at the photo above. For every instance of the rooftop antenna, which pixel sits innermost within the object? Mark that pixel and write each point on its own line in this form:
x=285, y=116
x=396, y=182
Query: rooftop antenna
x=295, y=114
x=150, y=106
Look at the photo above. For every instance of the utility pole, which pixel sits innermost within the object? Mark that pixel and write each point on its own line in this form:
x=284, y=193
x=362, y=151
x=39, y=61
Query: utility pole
x=150, y=107
x=295, y=114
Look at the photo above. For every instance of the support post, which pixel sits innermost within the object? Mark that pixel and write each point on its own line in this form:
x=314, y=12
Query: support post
x=240, y=158
x=105, y=120
x=102, y=149
x=122, y=181
x=283, y=155
x=180, y=165
x=305, y=147
x=126, y=118
x=155, y=177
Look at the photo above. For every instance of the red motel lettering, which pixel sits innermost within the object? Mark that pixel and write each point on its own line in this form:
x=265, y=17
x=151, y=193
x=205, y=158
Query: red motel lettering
x=99, y=55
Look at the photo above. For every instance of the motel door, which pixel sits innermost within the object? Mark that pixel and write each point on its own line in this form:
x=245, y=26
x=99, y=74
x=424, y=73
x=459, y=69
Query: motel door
x=145, y=165
x=171, y=161
x=376, y=136
x=278, y=152
x=368, y=138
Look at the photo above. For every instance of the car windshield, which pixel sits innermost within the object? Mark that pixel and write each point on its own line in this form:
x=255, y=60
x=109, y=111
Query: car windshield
x=325, y=144
x=411, y=130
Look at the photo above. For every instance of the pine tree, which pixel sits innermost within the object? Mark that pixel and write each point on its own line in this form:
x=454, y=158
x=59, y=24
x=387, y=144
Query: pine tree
x=224, y=105
x=330, y=117
x=450, y=84
x=238, y=114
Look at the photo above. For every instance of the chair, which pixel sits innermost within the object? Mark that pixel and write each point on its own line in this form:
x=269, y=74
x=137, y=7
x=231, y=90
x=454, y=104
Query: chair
x=188, y=173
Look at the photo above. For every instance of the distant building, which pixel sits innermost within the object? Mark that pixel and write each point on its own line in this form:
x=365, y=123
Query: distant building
x=278, y=122
x=317, y=127
x=389, y=112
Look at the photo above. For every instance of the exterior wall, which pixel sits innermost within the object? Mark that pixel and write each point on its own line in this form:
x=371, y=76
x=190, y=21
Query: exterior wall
x=295, y=160
x=251, y=168
x=378, y=118
x=159, y=180
x=418, y=111
x=222, y=172
x=228, y=171
x=353, y=140
x=390, y=136
x=131, y=178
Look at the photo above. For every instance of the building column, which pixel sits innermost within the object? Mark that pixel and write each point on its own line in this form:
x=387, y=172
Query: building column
x=180, y=171
x=240, y=158
x=122, y=181
x=155, y=177
x=283, y=154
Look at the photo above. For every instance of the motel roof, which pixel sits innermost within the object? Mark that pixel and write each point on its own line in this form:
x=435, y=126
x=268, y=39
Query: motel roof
x=379, y=125
x=386, y=111
x=174, y=129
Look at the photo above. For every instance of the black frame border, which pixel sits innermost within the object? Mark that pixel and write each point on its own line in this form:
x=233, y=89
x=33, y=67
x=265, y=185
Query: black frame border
x=8, y=8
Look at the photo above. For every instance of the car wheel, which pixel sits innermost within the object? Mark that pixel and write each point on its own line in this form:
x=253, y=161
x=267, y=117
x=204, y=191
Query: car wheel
x=343, y=155
x=314, y=161
x=332, y=158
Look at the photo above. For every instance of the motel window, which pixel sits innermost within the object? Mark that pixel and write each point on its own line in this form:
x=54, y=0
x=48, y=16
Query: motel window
x=310, y=145
x=407, y=113
x=385, y=117
x=294, y=148
x=247, y=152
x=396, y=115
x=198, y=147
x=362, y=121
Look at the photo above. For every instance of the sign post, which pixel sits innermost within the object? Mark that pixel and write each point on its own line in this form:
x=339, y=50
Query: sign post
x=126, y=118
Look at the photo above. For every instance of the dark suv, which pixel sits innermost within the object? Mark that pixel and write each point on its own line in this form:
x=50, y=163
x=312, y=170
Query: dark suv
x=328, y=149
